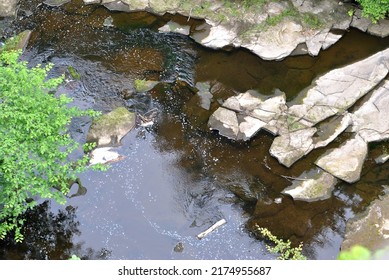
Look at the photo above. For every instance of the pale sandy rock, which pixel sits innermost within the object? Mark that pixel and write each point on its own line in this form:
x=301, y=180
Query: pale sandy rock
x=346, y=161
x=333, y=130
x=312, y=186
x=289, y=148
x=249, y=127
x=8, y=8
x=226, y=122
x=175, y=27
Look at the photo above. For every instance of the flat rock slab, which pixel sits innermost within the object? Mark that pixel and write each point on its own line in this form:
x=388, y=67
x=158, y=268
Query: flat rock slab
x=370, y=228
x=346, y=161
x=289, y=148
x=339, y=89
x=110, y=128
x=175, y=27
x=371, y=120
x=226, y=122
x=313, y=186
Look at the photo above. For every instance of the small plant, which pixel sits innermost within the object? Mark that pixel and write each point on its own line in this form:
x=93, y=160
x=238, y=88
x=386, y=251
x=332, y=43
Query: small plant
x=282, y=248
x=312, y=20
x=74, y=258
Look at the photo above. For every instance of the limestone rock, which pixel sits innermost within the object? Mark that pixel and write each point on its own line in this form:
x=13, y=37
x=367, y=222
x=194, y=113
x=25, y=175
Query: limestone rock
x=112, y=127
x=104, y=155
x=55, y=3
x=339, y=89
x=289, y=148
x=312, y=187
x=175, y=27
x=226, y=122
x=371, y=119
x=370, y=228
x=346, y=161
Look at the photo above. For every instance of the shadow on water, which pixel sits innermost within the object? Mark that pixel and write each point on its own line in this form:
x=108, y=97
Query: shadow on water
x=177, y=177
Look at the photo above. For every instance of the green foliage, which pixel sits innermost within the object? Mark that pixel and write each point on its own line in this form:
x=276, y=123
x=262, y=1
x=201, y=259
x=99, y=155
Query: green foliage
x=374, y=9
x=312, y=20
x=73, y=72
x=34, y=143
x=357, y=252
x=274, y=20
x=282, y=248
x=74, y=258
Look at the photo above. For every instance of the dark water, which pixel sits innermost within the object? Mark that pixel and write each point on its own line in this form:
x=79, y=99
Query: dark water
x=178, y=178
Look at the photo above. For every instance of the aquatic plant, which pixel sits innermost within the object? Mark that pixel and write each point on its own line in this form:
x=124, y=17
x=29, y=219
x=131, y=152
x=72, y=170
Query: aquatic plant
x=282, y=248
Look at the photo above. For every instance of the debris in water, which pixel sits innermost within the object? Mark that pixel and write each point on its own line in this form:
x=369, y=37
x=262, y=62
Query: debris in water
x=212, y=228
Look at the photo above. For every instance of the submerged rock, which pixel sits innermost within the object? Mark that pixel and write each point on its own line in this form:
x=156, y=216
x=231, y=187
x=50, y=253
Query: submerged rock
x=370, y=228
x=104, y=155
x=308, y=187
x=112, y=127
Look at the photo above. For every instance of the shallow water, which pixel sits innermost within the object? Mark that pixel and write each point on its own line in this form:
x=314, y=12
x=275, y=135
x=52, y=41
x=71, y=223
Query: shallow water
x=178, y=178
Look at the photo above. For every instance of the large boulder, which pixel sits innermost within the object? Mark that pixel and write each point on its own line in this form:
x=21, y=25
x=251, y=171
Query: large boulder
x=110, y=128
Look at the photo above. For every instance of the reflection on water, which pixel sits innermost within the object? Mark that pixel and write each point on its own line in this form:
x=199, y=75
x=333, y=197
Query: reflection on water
x=177, y=177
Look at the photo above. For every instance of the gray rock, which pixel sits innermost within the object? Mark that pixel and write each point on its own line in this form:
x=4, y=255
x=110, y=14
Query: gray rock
x=312, y=186
x=382, y=158
x=18, y=42
x=8, y=8
x=248, y=127
x=289, y=148
x=370, y=228
x=110, y=128
x=204, y=94
x=55, y=3
x=339, y=89
x=175, y=27
x=333, y=130
x=381, y=28
x=116, y=6
x=226, y=122
x=92, y=1
x=104, y=155
x=370, y=121
x=346, y=161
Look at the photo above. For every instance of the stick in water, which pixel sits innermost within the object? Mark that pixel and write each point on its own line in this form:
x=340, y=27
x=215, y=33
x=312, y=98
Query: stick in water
x=212, y=228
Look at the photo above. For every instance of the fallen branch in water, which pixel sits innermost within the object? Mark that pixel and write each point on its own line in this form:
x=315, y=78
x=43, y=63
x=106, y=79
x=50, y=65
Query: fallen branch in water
x=212, y=228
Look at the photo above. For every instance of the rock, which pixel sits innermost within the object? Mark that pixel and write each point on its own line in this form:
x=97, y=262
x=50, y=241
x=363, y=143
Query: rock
x=55, y=3
x=143, y=85
x=18, y=42
x=370, y=228
x=226, y=122
x=331, y=130
x=248, y=127
x=381, y=28
x=116, y=6
x=339, y=89
x=370, y=121
x=289, y=148
x=108, y=22
x=272, y=32
x=103, y=156
x=110, y=128
x=382, y=158
x=175, y=27
x=312, y=186
x=346, y=161
x=204, y=94
x=92, y=1
x=8, y=8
